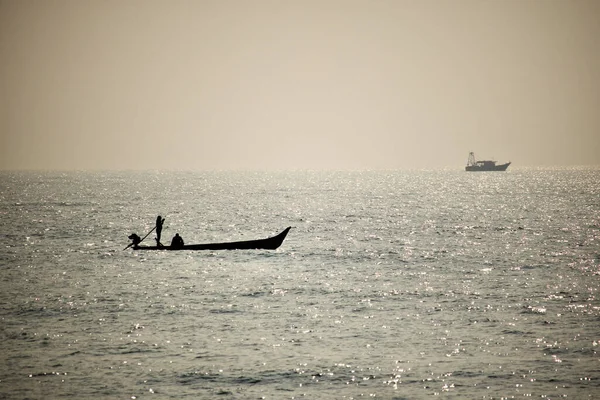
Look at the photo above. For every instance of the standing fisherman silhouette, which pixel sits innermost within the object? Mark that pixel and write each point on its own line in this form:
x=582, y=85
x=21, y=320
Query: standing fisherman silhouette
x=159, y=225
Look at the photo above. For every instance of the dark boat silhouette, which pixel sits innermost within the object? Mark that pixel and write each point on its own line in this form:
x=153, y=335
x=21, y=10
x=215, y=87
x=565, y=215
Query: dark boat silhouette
x=271, y=243
x=487, y=165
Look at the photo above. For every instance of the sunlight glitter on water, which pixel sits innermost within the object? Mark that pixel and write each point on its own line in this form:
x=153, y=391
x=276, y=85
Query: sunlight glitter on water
x=390, y=284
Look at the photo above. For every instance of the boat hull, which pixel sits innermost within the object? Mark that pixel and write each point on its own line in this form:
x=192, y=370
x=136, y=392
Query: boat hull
x=473, y=168
x=271, y=243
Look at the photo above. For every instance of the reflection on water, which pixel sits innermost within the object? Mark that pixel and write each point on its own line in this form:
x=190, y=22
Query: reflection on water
x=390, y=285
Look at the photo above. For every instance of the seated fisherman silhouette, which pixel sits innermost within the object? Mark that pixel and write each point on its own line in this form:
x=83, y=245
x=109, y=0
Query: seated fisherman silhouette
x=135, y=239
x=177, y=242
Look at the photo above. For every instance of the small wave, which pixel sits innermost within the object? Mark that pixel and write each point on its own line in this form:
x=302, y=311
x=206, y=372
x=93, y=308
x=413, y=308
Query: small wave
x=224, y=311
x=534, y=309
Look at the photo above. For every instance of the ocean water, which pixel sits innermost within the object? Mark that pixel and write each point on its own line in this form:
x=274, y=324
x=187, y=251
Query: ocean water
x=390, y=285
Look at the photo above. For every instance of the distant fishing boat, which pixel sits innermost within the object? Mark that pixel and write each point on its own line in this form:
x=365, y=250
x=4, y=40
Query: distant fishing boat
x=486, y=165
x=270, y=243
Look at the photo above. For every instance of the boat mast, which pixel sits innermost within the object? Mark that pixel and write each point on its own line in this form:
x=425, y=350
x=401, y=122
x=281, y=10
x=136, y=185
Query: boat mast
x=471, y=160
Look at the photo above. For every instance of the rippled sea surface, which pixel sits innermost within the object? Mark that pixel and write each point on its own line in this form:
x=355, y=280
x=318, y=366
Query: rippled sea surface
x=393, y=285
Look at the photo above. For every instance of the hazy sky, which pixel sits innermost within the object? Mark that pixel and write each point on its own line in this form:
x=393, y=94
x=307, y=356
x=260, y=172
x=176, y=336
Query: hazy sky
x=298, y=84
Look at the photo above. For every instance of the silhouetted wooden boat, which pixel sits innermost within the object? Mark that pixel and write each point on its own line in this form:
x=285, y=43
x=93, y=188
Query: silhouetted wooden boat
x=474, y=165
x=271, y=243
